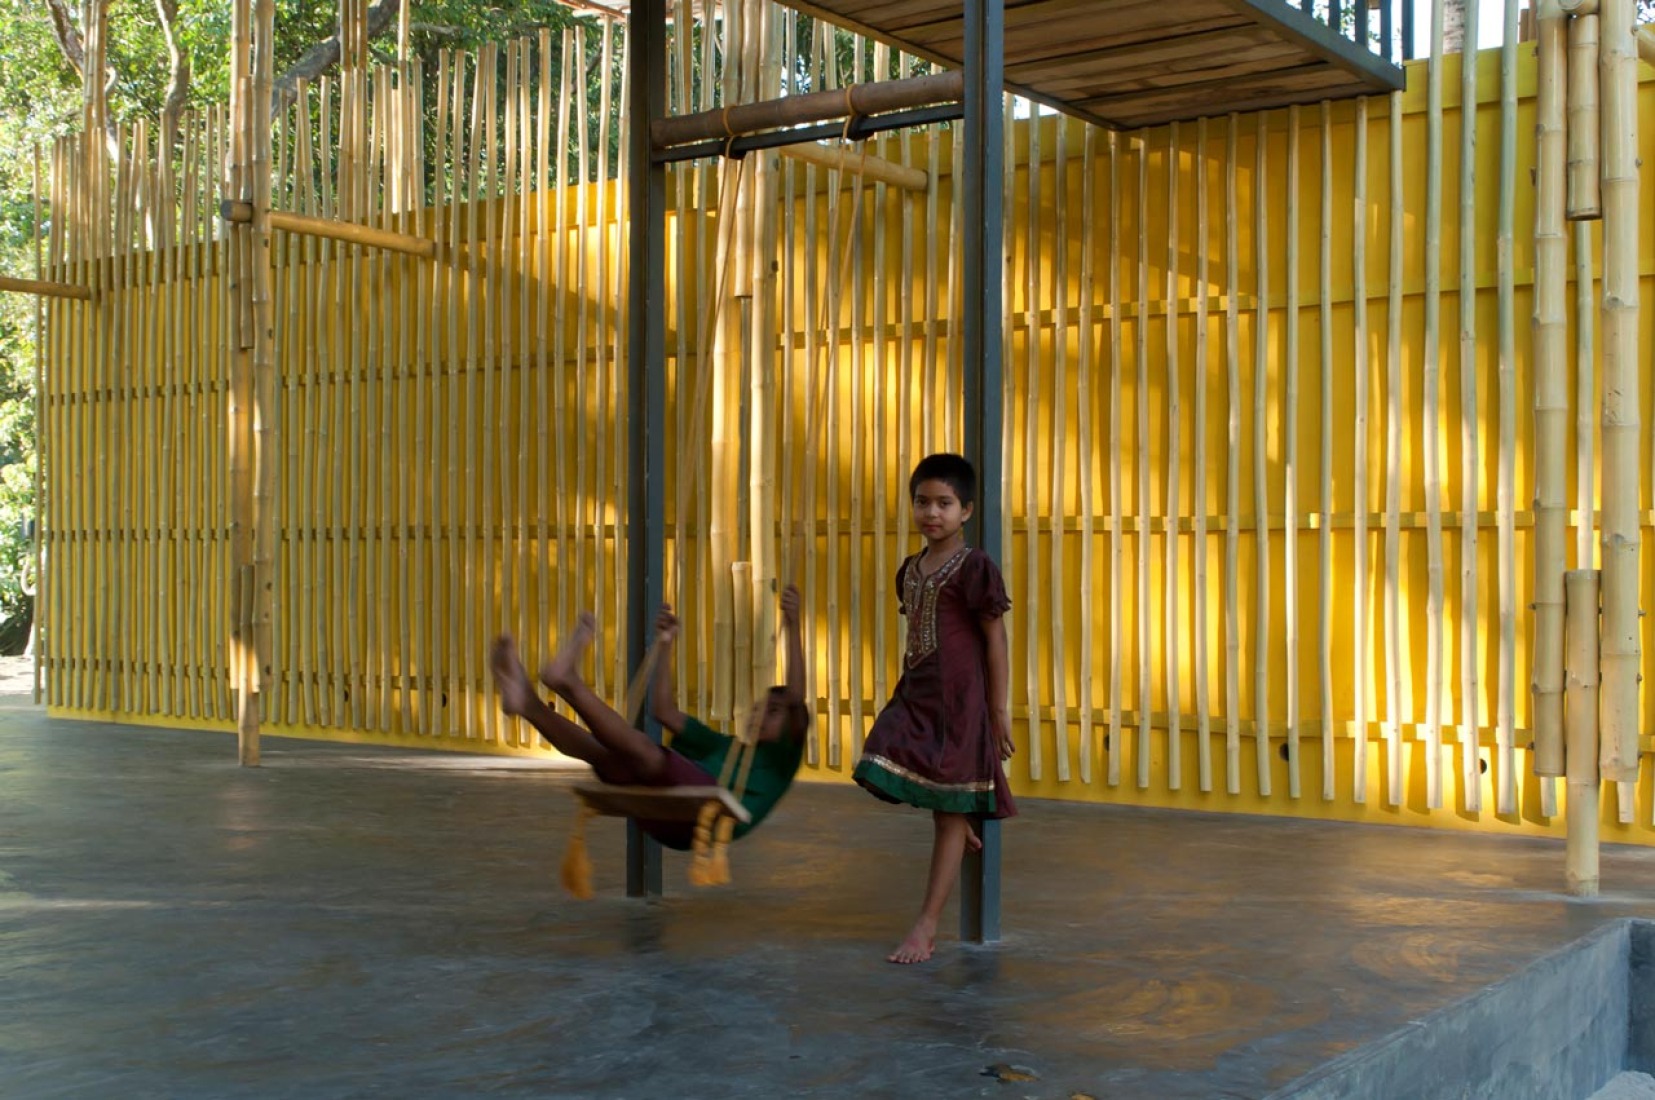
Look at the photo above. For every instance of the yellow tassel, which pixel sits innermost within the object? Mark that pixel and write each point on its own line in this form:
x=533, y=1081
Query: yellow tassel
x=701, y=869
x=718, y=869
x=577, y=865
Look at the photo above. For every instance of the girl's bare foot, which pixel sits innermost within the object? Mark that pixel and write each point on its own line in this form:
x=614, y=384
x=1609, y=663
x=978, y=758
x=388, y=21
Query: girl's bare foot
x=510, y=678
x=973, y=842
x=917, y=948
x=559, y=672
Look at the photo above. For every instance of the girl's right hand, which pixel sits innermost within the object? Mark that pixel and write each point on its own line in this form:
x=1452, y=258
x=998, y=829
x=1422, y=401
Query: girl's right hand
x=666, y=623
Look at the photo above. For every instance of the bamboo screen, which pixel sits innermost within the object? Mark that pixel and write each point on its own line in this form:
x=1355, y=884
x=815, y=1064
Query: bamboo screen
x=1250, y=485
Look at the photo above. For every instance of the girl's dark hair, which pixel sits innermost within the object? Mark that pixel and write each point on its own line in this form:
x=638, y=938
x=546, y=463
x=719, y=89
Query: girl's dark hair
x=798, y=715
x=956, y=470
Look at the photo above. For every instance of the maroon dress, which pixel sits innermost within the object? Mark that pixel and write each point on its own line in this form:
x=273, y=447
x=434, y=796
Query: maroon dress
x=933, y=745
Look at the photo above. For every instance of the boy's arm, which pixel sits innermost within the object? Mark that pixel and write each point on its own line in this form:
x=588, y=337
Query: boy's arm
x=664, y=695
x=999, y=683
x=795, y=644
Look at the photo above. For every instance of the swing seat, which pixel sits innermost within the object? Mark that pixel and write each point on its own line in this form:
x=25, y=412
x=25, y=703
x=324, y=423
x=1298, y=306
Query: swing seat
x=659, y=803
x=714, y=811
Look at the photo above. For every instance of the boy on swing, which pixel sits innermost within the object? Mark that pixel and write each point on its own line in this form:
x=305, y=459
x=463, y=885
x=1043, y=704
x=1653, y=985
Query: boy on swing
x=623, y=755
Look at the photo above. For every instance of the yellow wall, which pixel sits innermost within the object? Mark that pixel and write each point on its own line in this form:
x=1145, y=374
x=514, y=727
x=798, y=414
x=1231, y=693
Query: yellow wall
x=423, y=505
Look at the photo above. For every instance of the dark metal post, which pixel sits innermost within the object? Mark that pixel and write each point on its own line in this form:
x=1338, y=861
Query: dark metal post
x=984, y=141
x=646, y=367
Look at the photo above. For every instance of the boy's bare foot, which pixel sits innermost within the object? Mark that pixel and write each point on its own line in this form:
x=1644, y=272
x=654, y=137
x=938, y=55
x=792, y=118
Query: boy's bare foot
x=973, y=842
x=917, y=948
x=559, y=672
x=510, y=678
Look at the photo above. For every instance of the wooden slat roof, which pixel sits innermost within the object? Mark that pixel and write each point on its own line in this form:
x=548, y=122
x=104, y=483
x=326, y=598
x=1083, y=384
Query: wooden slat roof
x=1127, y=63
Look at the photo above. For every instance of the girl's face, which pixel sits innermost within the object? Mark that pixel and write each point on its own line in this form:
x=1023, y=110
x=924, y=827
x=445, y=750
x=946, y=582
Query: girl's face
x=938, y=513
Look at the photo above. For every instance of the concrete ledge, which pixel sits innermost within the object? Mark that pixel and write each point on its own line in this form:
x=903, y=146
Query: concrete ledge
x=1559, y=1028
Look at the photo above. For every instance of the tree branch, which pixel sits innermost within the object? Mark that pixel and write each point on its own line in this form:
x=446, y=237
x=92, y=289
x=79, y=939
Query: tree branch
x=68, y=37
x=178, y=87
x=324, y=55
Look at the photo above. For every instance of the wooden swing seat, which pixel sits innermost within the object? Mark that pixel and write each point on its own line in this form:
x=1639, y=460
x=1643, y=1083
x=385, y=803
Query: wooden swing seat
x=659, y=803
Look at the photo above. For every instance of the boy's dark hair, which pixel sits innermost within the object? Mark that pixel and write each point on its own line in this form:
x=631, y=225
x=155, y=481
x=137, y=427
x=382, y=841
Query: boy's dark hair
x=956, y=470
x=798, y=715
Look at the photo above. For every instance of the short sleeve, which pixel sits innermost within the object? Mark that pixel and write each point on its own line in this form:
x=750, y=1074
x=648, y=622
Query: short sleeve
x=982, y=588
x=696, y=740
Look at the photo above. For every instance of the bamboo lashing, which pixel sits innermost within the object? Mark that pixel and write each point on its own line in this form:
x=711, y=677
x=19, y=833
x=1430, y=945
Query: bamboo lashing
x=1621, y=649
x=1550, y=397
x=1580, y=856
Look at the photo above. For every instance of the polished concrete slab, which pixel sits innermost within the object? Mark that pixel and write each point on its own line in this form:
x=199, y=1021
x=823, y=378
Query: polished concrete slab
x=349, y=921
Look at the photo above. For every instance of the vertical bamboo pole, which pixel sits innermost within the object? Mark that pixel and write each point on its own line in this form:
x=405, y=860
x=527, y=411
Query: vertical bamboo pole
x=1583, y=123
x=762, y=416
x=1551, y=400
x=1174, y=574
x=1085, y=458
x=1232, y=477
x=550, y=195
x=1471, y=781
x=1398, y=702
x=495, y=290
x=43, y=441
x=562, y=428
x=1432, y=429
x=1505, y=739
x=1621, y=651
x=1580, y=855
x=813, y=334
x=1032, y=288
x=882, y=428
x=1198, y=497
x=1324, y=534
x=1141, y=466
x=1115, y=512
x=1261, y=461
x=1059, y=507
x=382, y=370
x=1290, y=455
x=242, y=462
x=266, y=441
x=468, y=608
x=453, y=507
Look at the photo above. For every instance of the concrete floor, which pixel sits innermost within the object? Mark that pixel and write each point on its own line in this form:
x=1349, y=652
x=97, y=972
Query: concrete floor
x=355, y=922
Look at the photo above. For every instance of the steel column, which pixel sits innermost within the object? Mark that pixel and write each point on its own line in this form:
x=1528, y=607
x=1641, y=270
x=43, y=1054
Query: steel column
x=984, y=404
x=646, y=366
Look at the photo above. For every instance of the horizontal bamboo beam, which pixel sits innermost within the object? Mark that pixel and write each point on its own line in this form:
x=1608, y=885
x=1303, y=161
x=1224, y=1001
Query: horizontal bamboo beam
x=237, y=212
x=1646, y=45
x=42, y=287
x=1578, y=7
x=873, y=168
x=769, y=114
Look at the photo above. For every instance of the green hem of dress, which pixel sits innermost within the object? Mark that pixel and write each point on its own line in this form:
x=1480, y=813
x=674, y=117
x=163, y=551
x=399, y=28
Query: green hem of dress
x=901, y=789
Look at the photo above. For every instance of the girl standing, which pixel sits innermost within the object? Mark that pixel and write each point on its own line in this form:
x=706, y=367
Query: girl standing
x=940, y=741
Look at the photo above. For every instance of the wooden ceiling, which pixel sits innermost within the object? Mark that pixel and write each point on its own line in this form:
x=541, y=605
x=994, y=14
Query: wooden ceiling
x=1129, y=63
